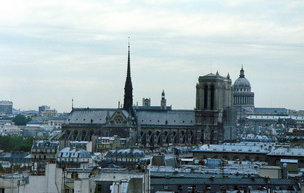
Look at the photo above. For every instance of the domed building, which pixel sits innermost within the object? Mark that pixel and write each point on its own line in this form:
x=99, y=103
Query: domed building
x=243, y=98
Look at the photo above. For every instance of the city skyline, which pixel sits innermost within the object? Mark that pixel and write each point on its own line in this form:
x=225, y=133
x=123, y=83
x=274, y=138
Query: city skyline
x=53, y=52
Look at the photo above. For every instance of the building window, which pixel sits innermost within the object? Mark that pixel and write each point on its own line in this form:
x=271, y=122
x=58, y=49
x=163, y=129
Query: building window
x=179, y=187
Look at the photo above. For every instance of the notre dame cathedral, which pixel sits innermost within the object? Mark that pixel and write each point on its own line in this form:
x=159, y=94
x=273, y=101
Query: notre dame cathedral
x=212, y=120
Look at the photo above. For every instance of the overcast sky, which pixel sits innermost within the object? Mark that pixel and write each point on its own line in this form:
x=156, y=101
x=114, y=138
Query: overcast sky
x=53, y=51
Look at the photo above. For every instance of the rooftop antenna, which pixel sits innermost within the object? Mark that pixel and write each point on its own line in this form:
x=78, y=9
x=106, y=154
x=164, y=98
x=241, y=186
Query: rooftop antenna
x=72, y=104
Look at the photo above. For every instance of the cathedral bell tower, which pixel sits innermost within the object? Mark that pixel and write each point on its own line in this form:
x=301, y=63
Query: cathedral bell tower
x=128, y=97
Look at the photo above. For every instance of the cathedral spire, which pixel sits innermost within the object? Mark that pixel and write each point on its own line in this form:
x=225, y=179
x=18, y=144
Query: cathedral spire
x=128, y=98
x=129, y=68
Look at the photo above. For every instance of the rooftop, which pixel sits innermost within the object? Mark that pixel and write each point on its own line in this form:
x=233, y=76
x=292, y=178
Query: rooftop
x=45, y=144
x=68, y=152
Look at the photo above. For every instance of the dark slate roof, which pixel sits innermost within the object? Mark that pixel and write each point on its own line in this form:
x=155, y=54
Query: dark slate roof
x=45, y=144
x=91, y=115
x=79, y=143
x=144, y=116
x=54, y=118
x=271, y=110
x=14, y=156
x=31, y=111
x=152, y=108
x=33, y=132
x=174, y=117
x=67, y=152
x=35, y=122
x=125, y=153
x=220, y=181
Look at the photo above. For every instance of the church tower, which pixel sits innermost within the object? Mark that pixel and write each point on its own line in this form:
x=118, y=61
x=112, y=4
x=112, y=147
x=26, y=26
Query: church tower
x=128, y=98
x=214, y=108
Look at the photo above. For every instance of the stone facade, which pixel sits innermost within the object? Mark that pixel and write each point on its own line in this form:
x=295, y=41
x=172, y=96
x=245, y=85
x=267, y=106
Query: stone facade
x=213, y=108
x=149, y=128
x=84, y=123
x=43, y=152
x=166, y=127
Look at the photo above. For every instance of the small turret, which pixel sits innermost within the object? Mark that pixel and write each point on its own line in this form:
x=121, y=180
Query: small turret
x=163, y=101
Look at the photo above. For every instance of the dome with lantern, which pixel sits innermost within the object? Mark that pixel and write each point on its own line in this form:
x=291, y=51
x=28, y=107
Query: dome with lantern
x=242, y=84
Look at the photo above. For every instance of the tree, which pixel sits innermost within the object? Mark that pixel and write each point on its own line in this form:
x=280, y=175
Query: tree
x=21, y=119
x=16, y=143
x=1, y=168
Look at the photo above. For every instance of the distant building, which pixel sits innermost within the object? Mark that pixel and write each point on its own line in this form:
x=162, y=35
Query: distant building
x=267, y=120
x=188, y=182
x=243, y=97
x=6, y=107
x=73, y=158
x=146, y=102
x=43, y=108
x=55, y=122
x=125, y=155
x=110, y=180
x=10, y=129
x=271, y=111
x=250, y=151
x=107, y=143
x=10, y=159
x=43, y=152
x=46, y=111
x=78, y=145
x=31, y=131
